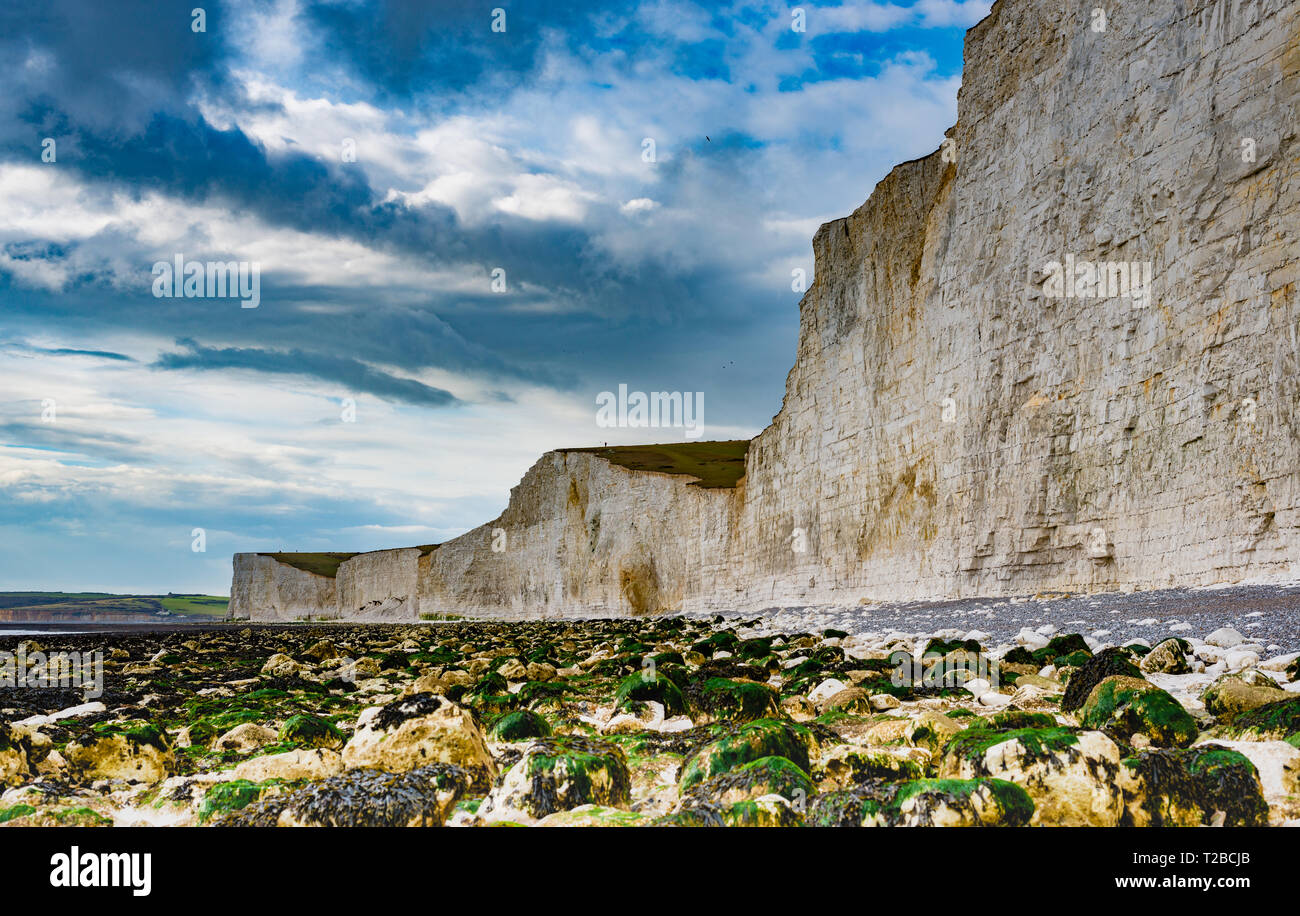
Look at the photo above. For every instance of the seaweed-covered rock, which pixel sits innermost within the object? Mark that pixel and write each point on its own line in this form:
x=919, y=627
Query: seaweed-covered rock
x=229, y=796
x=1166, y=657
x=246, y=737
x=1104, y=664
x=323, y=651
x=926, y=803
x=281, y=665
x=1278, y=766
x=799, y=708
x=594, y=816
x=422, y=797
x=520, y=726
x=642, y=687
x=855, y=806
x=765, y=776
x=15, y=766
x=723, y=640
x=196, y=734
x=932, y=729
x=1125, y=707
x=1070, y=775
x=745, y=743
x=417, y=730
x=135, y=751
x=718, y=698
x=555, y=774
x=1066, y=644
x=1019, y=655
x=312, y=731
x=945, y=647
x=853, y=700
x=1280, y=719
x=1019, y=718
x=846, y=765
x=957, y=803
x=1166, y=787
x=764, y=811
x=1236, y=693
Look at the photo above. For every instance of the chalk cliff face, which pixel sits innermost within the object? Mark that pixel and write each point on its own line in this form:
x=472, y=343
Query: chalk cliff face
x=951, y=427
x=1091, y=443
x=265, y=589
x=584, y=536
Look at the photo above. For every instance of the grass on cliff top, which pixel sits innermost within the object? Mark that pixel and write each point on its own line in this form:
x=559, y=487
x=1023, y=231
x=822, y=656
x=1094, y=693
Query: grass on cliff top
x=715, y=464
x=197, y=605
x=327, y=564
x=322, y=564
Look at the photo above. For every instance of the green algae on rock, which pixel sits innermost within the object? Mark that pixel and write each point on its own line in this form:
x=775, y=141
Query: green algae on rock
x=1189, y=787
x=637, y=688
x=134, y=751
x=749, y=781
x=723, y=698
x=558, y=773
x=416, y=730
x=921, y=757
x=1280, y=719
x=311, y=731
x=520, y=725
x=1069, y=774
x=1126, y=706
x=1104, y=664
x=1167, y=657
x=422, y=797
x=746, y=743
x=925, y=803
x=1235, y=693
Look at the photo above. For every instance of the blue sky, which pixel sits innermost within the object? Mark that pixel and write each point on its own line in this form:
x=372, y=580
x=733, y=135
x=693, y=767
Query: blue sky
x=128, y=420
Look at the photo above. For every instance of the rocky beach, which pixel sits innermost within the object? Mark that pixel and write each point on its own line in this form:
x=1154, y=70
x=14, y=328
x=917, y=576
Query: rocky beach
x=778, y=720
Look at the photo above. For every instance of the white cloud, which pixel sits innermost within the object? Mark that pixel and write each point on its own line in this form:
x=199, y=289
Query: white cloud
x=947, y=13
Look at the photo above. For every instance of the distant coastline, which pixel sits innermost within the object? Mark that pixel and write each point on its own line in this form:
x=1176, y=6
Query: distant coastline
x=83, y=608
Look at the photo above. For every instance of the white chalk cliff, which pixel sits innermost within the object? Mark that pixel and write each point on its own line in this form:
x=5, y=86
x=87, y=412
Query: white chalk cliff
x=950, y=428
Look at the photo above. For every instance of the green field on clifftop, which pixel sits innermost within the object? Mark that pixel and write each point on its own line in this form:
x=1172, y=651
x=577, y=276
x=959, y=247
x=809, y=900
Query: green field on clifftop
x=718, y=465
x=327, y=564
x=74, y=606
x=322, y=564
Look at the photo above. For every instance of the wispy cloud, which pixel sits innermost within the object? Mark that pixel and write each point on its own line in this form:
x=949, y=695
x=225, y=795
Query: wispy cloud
x=348, y=372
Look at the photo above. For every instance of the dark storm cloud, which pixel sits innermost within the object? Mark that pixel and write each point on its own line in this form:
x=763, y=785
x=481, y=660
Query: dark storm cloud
x=116, y=89
x=191, y=160
x=106, y=66
x=446, y=50
x=350, y=372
